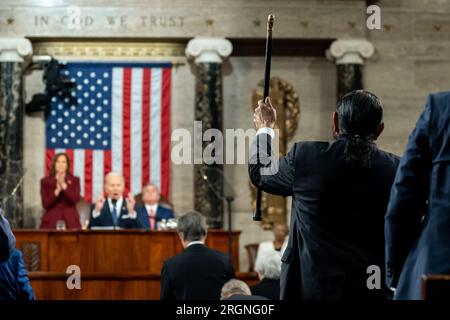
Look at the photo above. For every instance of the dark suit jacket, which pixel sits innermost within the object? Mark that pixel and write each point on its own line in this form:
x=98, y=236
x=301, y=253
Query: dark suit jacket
x=14, y=282
x=106, y=220
x=161, y=213
x=62, y=207
x=245, y=297
x=337, y=217
x=197, y=273
x=268, y=288
x=7, y=239
x=418, y=244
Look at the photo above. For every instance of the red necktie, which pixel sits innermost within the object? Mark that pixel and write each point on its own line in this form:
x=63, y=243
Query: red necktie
x=152, y=219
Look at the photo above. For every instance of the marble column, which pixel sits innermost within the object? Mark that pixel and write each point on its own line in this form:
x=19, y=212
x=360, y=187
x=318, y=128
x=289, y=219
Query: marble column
x=13, y=51
x=208, y=55
x=349, y=55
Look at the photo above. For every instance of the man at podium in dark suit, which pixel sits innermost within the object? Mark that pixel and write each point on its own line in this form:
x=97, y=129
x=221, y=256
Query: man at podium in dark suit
x=151, y=211
x=198, y=273
x=114, y=211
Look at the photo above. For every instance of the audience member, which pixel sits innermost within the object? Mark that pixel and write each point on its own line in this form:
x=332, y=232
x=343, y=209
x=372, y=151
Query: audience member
x=340, y=191
x=7, y=239
x=269, y=270
x=197, y=273
x=418, y=217
x=235, y=289
x=279, y=243
x=14, y=282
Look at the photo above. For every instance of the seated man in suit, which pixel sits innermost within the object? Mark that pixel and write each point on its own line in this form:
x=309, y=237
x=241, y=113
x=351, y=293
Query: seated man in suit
x=14, y=282
x=235, y=289
x=114, y=211
x=151, y=212
x=269, y=270
x=197, y=273
x=7, y=239
x=279, y=242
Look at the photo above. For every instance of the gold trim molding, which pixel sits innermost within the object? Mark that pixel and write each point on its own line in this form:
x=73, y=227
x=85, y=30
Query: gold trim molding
x=174, y=52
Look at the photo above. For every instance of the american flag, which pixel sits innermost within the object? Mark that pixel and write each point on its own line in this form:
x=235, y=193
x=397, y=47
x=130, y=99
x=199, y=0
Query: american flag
x=116, y=119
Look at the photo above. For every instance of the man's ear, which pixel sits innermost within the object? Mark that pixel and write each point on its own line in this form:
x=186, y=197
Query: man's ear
x=379, y=131
x=180, y=234
x=335, y=124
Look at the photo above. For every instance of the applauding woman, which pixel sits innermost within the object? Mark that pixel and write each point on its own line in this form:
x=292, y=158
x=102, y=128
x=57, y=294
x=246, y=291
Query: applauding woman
x=60, y=192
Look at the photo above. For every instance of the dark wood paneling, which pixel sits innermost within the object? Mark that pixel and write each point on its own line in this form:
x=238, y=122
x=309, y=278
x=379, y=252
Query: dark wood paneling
x=114, y=264
x=97, y=286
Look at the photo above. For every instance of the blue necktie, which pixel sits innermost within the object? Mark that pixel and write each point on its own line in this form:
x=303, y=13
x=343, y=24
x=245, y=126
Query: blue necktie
x=114, y=214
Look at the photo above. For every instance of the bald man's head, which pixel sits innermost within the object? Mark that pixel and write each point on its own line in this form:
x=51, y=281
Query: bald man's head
x=114, y=185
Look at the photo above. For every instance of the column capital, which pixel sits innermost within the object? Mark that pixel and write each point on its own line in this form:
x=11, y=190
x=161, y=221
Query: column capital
x=14, y=49
x=350, y=51
x=208, y=50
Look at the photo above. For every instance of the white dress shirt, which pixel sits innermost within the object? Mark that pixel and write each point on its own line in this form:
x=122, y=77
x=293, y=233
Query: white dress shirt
x=267, y=247
x=153, y=207
x=266, y=130
x=195, y=242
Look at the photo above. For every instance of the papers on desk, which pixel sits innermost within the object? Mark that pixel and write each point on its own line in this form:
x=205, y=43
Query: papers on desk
x=106, y=228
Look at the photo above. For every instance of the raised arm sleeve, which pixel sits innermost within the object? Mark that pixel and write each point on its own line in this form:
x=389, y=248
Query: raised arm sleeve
x=273, y=175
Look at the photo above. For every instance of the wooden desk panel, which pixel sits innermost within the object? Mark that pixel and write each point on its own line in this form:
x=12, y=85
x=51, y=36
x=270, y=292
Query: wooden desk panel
x=114, y=264
x=112, y=251
x=131, y=286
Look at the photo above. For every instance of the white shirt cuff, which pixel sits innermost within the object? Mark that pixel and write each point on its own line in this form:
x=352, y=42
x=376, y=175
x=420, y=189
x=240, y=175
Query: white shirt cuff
x=96, y=214
x=266, y=130
x=133, y=215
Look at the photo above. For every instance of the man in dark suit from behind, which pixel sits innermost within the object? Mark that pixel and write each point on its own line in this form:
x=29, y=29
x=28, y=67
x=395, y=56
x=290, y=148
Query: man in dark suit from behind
x=340, y=191
x=152, y=211
x=197, y=273
x=269, y=270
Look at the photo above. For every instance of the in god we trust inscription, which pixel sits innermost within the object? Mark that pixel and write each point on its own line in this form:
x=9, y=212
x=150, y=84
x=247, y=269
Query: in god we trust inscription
x=113, y=21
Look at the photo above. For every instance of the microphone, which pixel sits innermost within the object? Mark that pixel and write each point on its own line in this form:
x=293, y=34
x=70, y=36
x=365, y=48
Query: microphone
x=114, y=202
x=211, y=175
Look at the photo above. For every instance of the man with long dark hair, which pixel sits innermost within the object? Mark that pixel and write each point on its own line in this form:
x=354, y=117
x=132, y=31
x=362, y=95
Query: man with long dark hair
x=340, y=191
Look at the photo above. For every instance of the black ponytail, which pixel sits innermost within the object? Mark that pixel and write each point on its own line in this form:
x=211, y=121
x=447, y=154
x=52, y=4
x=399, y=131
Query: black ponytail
x=360, y=114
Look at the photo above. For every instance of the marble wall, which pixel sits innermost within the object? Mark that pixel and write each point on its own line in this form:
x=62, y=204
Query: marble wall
x=412, y=50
